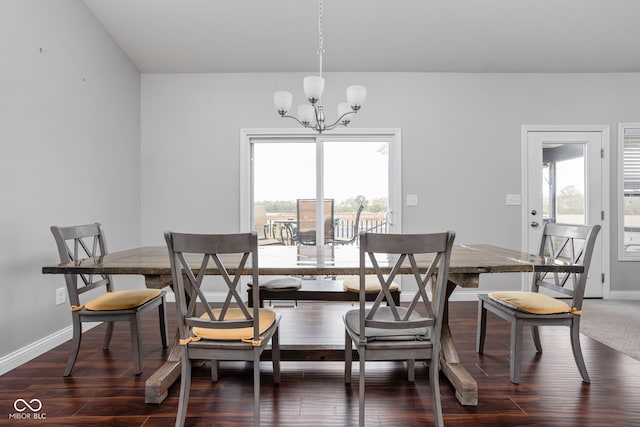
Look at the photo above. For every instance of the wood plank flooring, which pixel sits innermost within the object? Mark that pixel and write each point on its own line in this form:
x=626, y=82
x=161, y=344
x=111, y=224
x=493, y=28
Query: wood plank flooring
x=103, y=390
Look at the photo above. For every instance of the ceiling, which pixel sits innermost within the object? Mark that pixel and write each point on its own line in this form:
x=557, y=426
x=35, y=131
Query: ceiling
x=237, y=36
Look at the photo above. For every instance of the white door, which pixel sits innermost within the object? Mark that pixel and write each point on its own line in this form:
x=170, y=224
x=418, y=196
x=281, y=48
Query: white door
x=565, y=182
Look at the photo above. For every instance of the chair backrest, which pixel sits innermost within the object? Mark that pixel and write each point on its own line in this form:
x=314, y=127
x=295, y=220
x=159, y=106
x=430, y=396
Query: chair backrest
x=356, y=224
x=428, y=252
x=231, y=255
x=306, y=221
x=260, y=221
x=566, y=243
x=355, y=231
x=80, y=242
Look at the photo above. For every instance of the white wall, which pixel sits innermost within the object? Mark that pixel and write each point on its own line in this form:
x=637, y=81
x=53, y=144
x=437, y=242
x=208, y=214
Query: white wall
x=70, y=153
x=460, y=136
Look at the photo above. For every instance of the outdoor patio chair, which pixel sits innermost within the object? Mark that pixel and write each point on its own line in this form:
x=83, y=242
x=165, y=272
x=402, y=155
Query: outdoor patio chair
x=391, y=332
x=561, y=243
x=304, y=232
x=263, y=229
x=230, y=332
x=353, y=235
x=85, y=241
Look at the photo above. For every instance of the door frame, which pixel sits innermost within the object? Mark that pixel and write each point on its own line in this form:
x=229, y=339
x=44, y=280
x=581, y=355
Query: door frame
x=605, y=233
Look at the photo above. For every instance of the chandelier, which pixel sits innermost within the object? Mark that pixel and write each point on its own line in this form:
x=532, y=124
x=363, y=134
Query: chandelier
x=312, y=115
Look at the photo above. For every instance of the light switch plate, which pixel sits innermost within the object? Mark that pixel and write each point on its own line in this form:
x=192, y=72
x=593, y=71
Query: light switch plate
x=514, y=200
x=412, y=200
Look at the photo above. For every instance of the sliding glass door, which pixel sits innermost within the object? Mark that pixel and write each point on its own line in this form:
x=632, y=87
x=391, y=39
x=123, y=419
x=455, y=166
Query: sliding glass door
x=353, y=174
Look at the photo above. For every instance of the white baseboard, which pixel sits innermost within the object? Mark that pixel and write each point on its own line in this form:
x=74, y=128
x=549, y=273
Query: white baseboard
x=35, y=349
x=624, y=295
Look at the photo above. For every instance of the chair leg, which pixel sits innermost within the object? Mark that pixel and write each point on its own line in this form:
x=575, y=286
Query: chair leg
x=75, y=345
x=411, y=370
x=577, y=349
x=136, y=339
x=107, y=336
x=348, y=358
x=214, y=370
x=482, y=326
x=256, y=386
x=275, y=356
x=362, y=357
x=185, y=385
x=434, y=380
x=516, y=351
x=535, y=332
x=162, y=315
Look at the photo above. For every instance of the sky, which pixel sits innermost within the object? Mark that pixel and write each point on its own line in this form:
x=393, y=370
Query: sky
x=286, y=171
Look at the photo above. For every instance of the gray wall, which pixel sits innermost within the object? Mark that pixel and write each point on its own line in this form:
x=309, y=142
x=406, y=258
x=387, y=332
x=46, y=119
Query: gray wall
x=460, y=134
x=70, y=141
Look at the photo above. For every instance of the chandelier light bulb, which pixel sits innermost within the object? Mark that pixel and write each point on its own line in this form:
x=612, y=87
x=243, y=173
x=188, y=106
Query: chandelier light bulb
x=356, y=96
x=306, y=114
x=313, y=88
x=282, y=100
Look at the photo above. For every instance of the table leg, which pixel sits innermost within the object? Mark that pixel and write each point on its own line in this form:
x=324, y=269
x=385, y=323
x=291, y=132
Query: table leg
x=465, y=385
x=157, y=385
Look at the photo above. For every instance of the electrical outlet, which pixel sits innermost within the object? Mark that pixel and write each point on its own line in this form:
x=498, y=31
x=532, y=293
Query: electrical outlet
x=61, y=296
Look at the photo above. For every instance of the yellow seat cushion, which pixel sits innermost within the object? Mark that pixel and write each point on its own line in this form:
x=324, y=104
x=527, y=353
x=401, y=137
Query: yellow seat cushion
x=121, y=300
x=371, y=284
x=531, y=302
x=266, y=318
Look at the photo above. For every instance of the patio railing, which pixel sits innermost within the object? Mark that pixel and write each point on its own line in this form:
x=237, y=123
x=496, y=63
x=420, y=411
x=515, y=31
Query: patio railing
x=372, y=222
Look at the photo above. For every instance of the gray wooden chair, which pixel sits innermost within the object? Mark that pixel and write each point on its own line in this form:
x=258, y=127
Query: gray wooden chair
x=230, y=332
x=392, y=332
x=84, y=241
x=561, y=243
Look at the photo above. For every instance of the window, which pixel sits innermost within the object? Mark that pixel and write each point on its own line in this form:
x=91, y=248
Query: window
x=563, y=183
x=629, y=190
x=346, y=169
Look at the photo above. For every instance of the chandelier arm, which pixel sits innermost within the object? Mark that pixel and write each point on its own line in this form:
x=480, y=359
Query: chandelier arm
x=294, y=118
x=334, y=125
x=339, y=121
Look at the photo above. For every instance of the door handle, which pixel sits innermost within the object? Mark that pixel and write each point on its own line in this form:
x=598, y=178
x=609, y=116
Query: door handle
x=534, y=224
x=388, y=217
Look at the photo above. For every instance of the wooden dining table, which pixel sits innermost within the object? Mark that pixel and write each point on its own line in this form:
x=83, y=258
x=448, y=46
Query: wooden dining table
x=467, y=263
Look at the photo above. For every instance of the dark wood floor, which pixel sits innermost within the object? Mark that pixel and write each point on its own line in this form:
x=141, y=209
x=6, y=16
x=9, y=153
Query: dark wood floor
x=103, y=390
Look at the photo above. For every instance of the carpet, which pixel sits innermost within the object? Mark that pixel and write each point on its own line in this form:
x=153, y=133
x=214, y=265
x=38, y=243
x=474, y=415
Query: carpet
x=615, y=323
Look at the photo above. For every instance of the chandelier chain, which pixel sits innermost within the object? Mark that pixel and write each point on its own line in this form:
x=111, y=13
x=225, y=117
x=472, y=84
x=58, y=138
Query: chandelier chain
x=320, y=36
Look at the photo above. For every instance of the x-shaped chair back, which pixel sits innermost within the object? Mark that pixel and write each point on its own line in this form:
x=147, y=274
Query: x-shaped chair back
x=569, y=244
x=427, y=252
x=195, y=255
x=76, y=243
